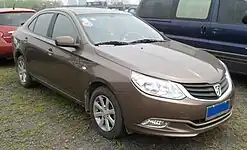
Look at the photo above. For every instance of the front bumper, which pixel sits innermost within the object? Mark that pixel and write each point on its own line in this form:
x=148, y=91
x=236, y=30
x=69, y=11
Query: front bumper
x=183, y=128
x=184, y=118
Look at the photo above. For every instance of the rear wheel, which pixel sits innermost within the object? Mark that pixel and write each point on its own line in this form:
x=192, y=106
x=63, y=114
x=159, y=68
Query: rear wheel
x=106, y=114
x=24, y=77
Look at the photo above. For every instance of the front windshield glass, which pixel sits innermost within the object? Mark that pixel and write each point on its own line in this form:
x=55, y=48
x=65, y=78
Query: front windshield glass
x=102, y=28
x=14, y=19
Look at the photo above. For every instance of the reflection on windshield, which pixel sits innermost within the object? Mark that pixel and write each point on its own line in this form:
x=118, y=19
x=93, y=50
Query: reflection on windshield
x=126, y=28
x=14, y=19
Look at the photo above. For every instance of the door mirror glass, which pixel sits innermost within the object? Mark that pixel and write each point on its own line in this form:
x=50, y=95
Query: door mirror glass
x=66, y=41
x=132, y=11
x=244, y=19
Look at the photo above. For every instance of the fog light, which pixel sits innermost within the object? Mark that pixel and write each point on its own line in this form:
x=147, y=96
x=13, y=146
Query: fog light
x=155, y=123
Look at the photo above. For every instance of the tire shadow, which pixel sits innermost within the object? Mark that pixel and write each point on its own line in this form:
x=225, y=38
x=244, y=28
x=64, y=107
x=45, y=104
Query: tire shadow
x=239, y=79
x=6, y=63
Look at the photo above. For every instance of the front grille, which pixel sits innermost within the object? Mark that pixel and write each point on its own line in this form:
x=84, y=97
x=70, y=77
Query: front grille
x=206, y=91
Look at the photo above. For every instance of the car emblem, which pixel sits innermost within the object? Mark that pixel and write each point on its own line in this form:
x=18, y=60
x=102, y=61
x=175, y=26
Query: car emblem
x=217, y=90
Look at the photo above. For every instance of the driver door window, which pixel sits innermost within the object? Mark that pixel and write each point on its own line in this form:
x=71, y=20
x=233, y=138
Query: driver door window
x=64, y=27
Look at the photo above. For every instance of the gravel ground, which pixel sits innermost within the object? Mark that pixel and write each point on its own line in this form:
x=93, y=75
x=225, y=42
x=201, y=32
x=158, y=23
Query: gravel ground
x=41, y=119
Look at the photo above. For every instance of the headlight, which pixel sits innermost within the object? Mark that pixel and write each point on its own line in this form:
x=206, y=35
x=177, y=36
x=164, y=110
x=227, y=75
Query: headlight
x=156, y=87
x=228, y=76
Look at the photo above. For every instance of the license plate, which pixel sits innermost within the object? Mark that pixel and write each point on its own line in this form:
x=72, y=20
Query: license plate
x=217, y=110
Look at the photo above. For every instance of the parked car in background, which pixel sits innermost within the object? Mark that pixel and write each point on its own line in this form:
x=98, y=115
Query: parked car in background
x=213, y=25
x=127, y=79
x=131, y=10
x=10, y=19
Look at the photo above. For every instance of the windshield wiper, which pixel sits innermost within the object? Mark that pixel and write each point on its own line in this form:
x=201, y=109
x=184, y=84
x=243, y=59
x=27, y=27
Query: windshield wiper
x=111, y=43
x=146, y=41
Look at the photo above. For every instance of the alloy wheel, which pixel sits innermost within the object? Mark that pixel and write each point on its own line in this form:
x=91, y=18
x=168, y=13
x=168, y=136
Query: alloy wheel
x=22, y=72
x=104, y=113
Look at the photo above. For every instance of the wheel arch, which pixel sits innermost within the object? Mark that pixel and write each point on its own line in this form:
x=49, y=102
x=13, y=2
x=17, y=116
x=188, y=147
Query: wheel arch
x=93, y=85
x=17, y=54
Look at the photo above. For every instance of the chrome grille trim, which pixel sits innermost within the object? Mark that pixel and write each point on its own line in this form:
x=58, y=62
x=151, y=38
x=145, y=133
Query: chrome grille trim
x=223, y=96
x=206, y=91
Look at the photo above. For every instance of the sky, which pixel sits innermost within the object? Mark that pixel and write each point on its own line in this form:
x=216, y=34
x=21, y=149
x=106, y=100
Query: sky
x=127, y=1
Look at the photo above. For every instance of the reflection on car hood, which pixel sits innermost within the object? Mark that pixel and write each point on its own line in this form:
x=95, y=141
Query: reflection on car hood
x=167, y=60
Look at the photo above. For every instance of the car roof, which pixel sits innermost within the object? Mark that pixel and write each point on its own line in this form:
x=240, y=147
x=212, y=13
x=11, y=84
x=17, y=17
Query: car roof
x=88, y=10
x=3, y=10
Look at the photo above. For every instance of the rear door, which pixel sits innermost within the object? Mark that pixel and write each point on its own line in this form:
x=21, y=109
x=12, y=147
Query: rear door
x=228, y=35
x=38, y=45
x=191, y=21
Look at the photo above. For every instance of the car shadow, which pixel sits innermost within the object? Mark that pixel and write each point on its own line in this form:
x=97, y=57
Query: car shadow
x=156, y=142
x=6, y=63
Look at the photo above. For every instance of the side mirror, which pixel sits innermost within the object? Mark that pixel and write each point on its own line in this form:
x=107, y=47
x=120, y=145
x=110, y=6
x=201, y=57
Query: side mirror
x=22, y=23
x=66, y=41
x=132, y=11
x=244, y=19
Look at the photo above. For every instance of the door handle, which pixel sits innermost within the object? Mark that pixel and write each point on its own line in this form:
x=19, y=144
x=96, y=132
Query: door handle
x=50, y=52
x=203, y=29
x=25, y=40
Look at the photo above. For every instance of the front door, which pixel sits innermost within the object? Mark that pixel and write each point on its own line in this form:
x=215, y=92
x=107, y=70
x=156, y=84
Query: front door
x=191, y=20
x=67, y=74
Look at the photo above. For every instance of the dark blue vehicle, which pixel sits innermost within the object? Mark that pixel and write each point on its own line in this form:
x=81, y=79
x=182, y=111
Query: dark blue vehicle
x=213, y=25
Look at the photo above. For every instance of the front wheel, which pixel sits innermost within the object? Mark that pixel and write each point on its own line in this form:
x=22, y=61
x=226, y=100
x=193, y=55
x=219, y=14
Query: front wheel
x=106, y=114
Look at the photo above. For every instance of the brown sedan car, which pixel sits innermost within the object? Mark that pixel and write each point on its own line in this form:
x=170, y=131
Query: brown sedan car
x=127, y=75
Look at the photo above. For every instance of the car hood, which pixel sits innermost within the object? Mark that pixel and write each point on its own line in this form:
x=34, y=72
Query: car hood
x=169, y=60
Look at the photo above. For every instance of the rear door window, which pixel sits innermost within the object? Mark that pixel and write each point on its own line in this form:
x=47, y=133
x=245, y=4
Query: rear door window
x=157, y=9
x=193, y=9
x=42, y=24
x=231, y=11
x=14, y=18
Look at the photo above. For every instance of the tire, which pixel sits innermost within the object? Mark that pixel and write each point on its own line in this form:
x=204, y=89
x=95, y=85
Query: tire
x=117, y=130
x=25, y=78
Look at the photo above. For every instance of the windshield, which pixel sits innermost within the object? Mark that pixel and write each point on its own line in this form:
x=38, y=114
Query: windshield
x=14, y=19
x=126, y=28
